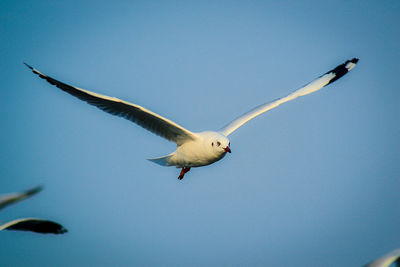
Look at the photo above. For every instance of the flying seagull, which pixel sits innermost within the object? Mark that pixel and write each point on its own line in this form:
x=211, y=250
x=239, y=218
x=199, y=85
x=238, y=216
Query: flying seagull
x=387, y=260
x=193, y=149
x=28, y=224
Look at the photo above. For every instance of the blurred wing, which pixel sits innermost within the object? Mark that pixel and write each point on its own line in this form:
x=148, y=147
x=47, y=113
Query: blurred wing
x=135, y=113
x=34, y=225
x=9, y=199
x=387, y=260
x=313, y=86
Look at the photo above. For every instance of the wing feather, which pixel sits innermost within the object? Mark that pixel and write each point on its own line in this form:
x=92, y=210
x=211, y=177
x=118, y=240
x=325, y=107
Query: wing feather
x=12, y=198
x=34, y=225
x=311, y=87
x=135, y=113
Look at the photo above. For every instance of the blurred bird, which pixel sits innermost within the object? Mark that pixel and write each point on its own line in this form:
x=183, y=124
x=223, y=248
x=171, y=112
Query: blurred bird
x=193, y=149
x=387, y=260
x=28, y=224
x=12, y=198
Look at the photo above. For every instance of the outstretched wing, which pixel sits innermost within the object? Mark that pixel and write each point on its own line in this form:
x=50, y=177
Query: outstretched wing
x=313, y=86
x=9, y=199
x=34, y=225
x=135, y=113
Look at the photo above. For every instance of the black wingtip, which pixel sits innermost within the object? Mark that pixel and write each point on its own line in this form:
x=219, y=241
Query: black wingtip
x=35, y=71
x=60, y=230
x=34, y=190
x=342, y=69
x=354, y=60
x=29, y=66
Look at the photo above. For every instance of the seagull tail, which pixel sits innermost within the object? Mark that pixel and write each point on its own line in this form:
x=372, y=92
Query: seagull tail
x=163, y=161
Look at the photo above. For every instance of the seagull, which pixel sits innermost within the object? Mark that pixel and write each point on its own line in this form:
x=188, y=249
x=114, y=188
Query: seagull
x=387, y=260
x=194, y=149
x=28, y=224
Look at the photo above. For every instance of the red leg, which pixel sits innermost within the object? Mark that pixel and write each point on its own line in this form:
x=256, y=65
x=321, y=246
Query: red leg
x=183, y=171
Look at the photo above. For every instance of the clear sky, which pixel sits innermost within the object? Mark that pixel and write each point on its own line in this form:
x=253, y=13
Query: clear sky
x=314, y=182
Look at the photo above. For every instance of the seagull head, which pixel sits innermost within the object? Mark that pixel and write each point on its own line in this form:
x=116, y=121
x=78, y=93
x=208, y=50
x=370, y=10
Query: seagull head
x=219, y=143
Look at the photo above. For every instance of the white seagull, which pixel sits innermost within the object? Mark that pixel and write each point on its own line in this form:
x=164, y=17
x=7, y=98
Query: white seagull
x=193, y=149
x=28, y=224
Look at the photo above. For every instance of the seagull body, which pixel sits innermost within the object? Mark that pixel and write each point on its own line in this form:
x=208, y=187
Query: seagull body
x=193, y=149
x=207, y=148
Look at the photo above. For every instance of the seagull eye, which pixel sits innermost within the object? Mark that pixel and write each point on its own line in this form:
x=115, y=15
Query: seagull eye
x=212, y=144
x=218, y=143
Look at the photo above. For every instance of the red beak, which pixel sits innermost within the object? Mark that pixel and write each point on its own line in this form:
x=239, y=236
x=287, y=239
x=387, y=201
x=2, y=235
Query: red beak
x=227, y=149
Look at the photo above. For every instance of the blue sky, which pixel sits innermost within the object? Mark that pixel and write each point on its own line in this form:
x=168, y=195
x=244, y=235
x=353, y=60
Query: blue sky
x=312, y=183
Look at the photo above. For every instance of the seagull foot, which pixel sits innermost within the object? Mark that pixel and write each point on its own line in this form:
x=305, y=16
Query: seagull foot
x=183, y=171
